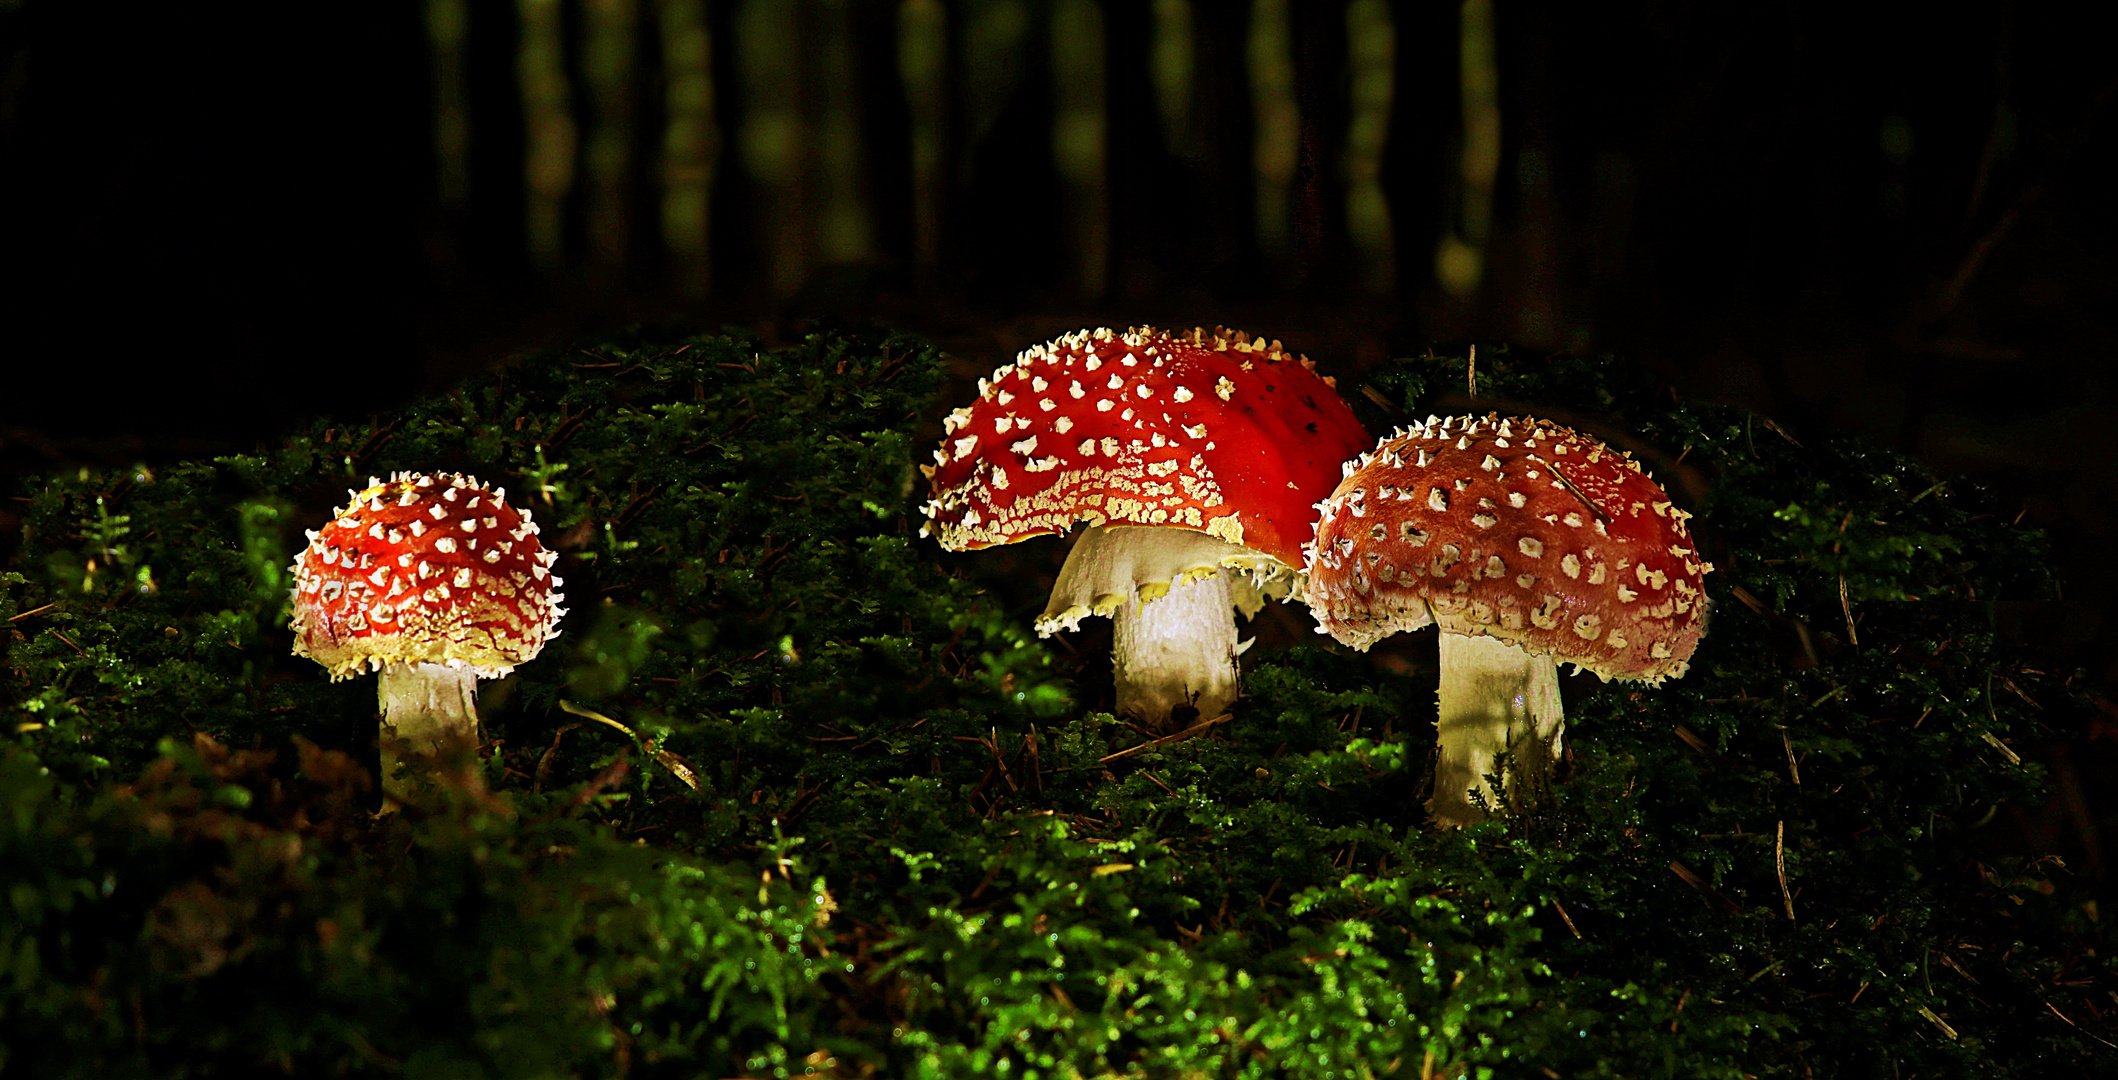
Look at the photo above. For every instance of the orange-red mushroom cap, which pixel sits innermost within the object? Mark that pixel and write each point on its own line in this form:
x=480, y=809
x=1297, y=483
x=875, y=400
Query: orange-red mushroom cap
x=1211, y=431
x=1516, y=529
x=425, y=570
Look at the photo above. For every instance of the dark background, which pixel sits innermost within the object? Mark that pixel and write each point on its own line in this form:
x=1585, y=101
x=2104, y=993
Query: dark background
x=219, y=220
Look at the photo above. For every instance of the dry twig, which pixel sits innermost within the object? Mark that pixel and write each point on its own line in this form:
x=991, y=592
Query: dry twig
x=1180, y=736
x=1779, y=861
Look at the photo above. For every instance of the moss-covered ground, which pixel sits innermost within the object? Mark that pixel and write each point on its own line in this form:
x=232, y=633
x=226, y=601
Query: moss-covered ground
x=797, y=794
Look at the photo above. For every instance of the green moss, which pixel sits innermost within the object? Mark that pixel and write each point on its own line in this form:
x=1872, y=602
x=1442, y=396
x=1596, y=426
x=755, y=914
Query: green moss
x=914, y=849
x=221, y=913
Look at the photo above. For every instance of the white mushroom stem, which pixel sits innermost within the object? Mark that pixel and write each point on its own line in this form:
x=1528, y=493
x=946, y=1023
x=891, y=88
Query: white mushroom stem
x=1173, y=594
x=1495, y=699
x=429, y=715
x=1178, y=650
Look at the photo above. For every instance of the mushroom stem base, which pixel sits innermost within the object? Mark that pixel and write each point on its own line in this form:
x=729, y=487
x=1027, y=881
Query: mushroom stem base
x=1500, y=715
x=1176, y=651
x=429, y=722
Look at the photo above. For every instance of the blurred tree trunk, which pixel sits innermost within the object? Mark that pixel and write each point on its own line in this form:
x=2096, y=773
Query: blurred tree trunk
x=736, y=245
x=1139, y=231
x=691, y=145
x=925, y=34
x=1417, y=161
x=1323, y=101
x=496, y=201
x=612, y=149
x=883, y=119
x=1009, y=241
x=1225, y=181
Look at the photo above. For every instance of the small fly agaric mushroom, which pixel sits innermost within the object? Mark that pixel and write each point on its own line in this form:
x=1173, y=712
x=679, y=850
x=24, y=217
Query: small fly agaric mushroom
x=1196, y=461
x=436, y=582
x=1530, y=545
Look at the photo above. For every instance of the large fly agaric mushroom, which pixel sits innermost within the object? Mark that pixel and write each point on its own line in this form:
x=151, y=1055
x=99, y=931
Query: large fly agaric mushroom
x=1530, y=545
x=1196, y=460
x=436, y=582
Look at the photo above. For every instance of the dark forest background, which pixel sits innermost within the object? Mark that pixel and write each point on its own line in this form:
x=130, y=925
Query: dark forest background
x=1892, y=219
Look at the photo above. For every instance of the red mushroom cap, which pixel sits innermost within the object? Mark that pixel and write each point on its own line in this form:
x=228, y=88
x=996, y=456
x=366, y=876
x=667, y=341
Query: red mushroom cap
x=425, y=570
x=1516, y=529
x=1211, y=431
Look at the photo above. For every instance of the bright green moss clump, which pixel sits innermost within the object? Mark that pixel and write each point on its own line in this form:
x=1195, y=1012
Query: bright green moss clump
x=913, y=848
